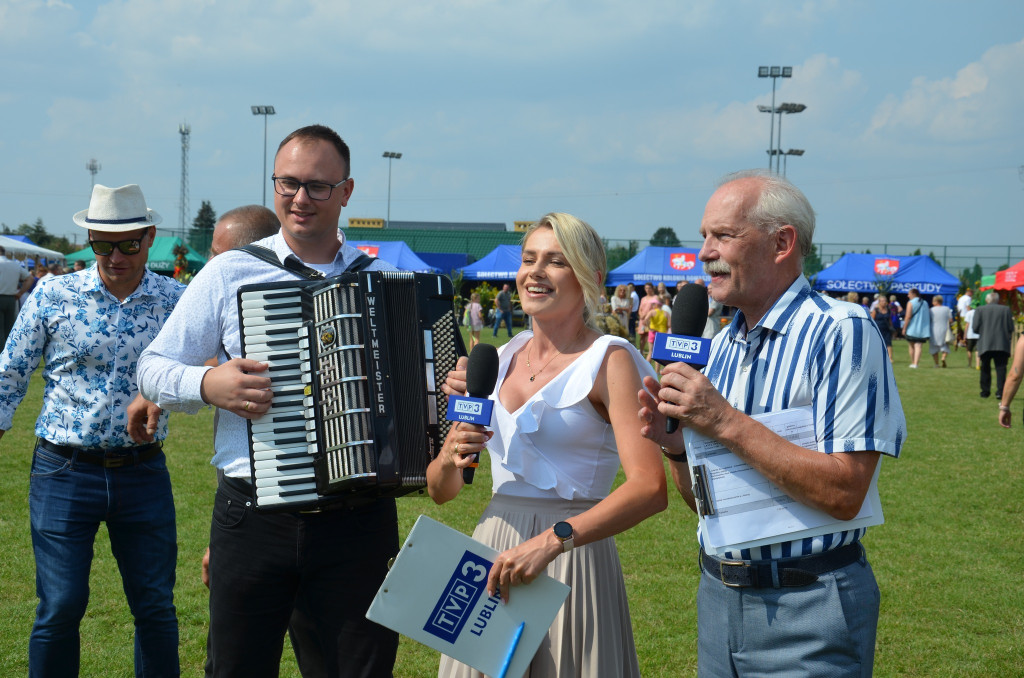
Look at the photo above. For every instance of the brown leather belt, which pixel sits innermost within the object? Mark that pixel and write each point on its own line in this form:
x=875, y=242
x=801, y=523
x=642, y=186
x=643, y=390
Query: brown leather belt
x=114, y=457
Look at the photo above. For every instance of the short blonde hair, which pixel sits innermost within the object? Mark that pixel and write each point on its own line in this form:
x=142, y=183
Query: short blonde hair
x=584, y=253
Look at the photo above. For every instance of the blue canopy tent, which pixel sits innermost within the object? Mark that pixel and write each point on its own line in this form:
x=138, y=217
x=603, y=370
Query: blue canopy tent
x=866, y=272
x=445, y=262
x=659, y=264
x=501, y=263
x=396, y=253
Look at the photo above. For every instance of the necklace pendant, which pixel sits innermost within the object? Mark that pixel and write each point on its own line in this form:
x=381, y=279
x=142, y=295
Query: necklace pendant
x=533, y=377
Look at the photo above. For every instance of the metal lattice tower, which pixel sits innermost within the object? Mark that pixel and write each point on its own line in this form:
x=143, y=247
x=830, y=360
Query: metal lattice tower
x=184, y=130
x=93, y=168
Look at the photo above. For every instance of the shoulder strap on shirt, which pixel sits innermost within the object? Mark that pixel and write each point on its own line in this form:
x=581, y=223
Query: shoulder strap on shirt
x=293, y=265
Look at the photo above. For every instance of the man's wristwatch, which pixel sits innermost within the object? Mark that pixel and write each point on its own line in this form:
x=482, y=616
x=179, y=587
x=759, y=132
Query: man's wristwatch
x=564, y=533
x=673, y=457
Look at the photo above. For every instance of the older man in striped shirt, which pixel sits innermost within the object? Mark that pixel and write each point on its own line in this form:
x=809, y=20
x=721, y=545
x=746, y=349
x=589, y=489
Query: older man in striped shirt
x=809, y=606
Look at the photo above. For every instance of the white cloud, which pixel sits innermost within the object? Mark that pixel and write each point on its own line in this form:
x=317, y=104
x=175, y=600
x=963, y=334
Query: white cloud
x=981, y=102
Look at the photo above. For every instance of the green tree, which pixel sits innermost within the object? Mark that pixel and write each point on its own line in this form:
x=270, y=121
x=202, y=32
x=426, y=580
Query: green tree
x=812, y=263
x=38, y=234
x=665, y=237
x=201, y=234
x=970, y=278
x=620, y=254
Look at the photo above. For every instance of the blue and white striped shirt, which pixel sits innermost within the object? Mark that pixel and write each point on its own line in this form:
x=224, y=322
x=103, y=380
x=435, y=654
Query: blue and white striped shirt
x=812, y=351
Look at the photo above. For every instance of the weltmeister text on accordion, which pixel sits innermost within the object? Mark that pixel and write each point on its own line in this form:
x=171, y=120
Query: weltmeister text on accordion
x=356, y=364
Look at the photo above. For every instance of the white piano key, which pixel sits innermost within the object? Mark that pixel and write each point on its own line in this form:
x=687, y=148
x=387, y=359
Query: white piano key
x=266, y=455
x=262, y=295
x=262, y=302
x=290, y=499
x=274, y=471
x=274, y=491
x=259, y=325
x=269, y=447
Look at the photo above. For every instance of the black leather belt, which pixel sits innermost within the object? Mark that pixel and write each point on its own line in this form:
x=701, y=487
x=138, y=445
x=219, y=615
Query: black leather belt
x=243, y=486
x=792, y=572
x=114, y=457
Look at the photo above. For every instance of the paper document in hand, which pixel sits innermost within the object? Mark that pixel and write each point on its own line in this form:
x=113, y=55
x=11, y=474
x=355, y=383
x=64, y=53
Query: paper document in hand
x=436, y=593
x=740, y=508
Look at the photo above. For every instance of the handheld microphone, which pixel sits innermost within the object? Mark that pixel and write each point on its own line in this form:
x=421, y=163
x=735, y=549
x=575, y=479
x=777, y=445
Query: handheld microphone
x=481, y=376
x=684, y=344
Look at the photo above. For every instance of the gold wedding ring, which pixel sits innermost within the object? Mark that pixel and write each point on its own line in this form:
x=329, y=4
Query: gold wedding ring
x=245, y=406
x=457, y=448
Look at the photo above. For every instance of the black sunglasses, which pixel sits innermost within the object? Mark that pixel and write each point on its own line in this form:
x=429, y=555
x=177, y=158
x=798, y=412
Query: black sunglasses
x=104, y=248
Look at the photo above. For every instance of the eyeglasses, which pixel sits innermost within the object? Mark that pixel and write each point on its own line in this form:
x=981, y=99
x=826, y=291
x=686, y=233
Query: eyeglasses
x=316, y=190
x=104, y=248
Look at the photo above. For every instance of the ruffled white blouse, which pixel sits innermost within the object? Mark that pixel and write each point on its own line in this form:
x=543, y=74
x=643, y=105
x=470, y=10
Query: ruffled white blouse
x=556, y=444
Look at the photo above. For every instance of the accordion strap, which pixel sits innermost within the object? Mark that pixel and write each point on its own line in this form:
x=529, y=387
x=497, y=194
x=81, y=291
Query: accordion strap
x=293, y=265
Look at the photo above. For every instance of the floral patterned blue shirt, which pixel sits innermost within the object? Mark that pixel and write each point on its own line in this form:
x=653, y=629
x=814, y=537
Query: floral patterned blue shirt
x=90, y=343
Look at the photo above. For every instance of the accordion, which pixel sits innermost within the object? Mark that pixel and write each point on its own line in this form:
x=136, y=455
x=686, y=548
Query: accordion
x=356, y=364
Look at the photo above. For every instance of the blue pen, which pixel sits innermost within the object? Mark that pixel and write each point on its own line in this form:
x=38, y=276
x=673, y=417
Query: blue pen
x=512, y=650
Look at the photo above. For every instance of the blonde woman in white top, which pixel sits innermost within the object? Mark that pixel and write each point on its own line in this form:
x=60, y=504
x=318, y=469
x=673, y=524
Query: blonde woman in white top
x=564, y=420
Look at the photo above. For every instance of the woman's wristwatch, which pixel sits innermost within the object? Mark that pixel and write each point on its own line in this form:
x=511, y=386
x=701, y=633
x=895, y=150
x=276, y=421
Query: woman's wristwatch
x=565, y=534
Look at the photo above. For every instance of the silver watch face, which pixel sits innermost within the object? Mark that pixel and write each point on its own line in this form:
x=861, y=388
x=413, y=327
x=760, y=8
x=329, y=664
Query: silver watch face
x=563, y=530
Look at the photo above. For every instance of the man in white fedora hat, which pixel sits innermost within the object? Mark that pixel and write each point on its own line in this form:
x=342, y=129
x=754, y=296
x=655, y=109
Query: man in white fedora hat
x=98, y=456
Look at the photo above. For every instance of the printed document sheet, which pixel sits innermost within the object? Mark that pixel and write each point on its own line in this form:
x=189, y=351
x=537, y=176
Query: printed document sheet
x=435, y=593
x=742, y=509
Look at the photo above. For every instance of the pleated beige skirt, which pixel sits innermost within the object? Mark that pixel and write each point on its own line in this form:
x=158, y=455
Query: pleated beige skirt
x=592, y=634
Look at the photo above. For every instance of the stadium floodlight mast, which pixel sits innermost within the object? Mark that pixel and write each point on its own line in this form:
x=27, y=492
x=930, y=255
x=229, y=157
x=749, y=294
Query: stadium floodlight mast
x=390, y=155
x=773, y=72
x=792, y=151
x=264, y=111
x=785, y=108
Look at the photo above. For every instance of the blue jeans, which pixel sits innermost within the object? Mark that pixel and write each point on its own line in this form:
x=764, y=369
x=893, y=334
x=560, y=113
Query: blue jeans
x=507, y=317
x=824, y=629
x=68, y=500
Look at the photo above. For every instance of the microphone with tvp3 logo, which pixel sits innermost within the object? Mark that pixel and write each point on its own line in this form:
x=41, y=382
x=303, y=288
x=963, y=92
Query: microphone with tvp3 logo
x=475, y=408
x=684, y=344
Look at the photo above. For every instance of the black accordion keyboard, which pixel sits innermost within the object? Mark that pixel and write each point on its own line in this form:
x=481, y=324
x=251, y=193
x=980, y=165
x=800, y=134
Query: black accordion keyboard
x=356, y=367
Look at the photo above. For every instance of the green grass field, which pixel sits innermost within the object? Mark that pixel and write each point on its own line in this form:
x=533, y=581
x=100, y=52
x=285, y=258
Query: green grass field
x=949, y=558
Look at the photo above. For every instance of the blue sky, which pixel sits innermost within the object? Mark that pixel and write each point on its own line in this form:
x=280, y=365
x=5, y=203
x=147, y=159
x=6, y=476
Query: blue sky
x=623, y=113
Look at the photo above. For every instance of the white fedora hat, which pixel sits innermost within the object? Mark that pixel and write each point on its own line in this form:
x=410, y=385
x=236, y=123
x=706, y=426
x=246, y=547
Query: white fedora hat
x=117, y=210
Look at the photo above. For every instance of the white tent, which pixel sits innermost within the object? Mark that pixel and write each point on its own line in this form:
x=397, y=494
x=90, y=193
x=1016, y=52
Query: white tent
x=18, y=247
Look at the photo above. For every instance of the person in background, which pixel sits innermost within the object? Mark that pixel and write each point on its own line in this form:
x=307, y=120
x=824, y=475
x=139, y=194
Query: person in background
x=963, y=304
x=475, y=311
x=15, y=282
x=242, y=225
x=942, y=320
x=79, y=265
x=98, y=458
x=971, y=340
x=553, y=509
x=896, y=315
x=807, y=606
x=648, y=303
x=634, y=312
x=994, y=324
x=621, y=306
x=880, y=314
x=657, y=321
x=1012, y=383
x=503, y=310
x=917, y=325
